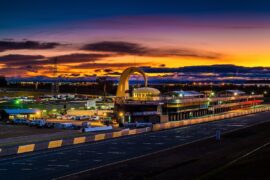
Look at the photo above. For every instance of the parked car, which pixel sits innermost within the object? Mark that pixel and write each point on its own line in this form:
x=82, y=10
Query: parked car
x=49, y=125
x=95, y=118
x=85, y=117
x=20, y=121
x=64, y=125
x=38, y=123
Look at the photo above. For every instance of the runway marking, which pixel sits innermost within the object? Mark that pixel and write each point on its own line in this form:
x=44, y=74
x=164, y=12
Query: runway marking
x=156, y=152
x=71, y=150
x=52, y=160
x=49, y=169
x=26, y=169
x=130, y=143
x=86, y=151
x=159, y=143
x=18, y=163
x=60, y=153
x=116, y=152
x=97, y=160
x=147, y=143
x=236, y=125
x=58, y=165
x=163, y=136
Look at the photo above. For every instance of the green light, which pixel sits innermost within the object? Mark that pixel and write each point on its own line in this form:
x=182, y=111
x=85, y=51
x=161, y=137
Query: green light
x=17, y=101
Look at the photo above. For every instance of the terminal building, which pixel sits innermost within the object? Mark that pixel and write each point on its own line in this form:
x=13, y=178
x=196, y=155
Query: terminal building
x=148, y=104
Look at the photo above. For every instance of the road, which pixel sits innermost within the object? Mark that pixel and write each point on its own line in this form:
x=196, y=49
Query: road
x=61, y=162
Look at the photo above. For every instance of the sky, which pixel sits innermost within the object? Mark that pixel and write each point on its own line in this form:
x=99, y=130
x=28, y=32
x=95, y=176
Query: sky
x=102, y=37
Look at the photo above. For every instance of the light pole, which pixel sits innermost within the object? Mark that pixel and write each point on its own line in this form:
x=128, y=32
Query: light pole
x=252, y=93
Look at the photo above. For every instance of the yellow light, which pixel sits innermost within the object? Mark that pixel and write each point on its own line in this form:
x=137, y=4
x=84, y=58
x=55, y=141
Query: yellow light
x=121, y=114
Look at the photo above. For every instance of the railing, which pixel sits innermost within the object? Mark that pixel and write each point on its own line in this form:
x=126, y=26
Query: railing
x=165, y=100
x=172, y=124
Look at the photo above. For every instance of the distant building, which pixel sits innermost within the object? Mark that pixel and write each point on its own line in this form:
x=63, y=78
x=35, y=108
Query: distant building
x=9, y=114
x=147, y=104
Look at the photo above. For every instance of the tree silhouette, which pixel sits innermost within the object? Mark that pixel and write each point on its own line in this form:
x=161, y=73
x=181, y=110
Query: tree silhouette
x=3, y=81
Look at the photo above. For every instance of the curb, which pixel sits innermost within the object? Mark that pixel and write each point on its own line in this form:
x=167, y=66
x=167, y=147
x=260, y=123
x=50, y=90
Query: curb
x=12, y=150
x=6, y=151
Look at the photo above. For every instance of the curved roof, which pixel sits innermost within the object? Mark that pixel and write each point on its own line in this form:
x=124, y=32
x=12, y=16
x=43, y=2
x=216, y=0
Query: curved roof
x=146, y=90
x=21, y=111
x=235, y=91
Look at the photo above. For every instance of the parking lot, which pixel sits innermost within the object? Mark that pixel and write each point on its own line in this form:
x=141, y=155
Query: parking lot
x=7, y=130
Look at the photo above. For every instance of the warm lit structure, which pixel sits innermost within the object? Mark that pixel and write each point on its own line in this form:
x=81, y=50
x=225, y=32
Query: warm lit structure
x=123, y=85
x=148, y=105
x=145, y=93
x=9, y=114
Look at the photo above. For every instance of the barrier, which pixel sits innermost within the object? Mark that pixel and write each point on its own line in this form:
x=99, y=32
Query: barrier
x=4, y=151
x=99, y=137
x=132, y=132
x=79, y=140
x=116, y=134
x=55, y=144
x=26, y=148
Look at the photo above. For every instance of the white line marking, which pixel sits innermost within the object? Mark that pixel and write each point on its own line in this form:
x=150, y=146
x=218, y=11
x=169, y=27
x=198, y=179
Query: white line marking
x=26, y=169
x=156, y=152
x=18, y=163
x=58, y=165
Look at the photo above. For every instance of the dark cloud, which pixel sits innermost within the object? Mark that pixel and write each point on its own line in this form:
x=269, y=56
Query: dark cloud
x=16, y=45
x=19, y=57
x=107, y=70
x=223, y=68
x=113, y=74
x=127, y=48
x=39, y=60
x=116, y=47
x=80, y=58
x=105, y=65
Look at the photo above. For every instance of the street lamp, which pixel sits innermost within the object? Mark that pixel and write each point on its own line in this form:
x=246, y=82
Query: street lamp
x=253, y=100
x=121, y=115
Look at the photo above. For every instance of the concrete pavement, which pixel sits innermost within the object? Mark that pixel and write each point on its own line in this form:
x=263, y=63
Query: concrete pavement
x=69, y=160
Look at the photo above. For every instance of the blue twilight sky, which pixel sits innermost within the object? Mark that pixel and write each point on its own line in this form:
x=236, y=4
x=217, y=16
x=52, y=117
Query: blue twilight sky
x=32, y=13
x=94, y=37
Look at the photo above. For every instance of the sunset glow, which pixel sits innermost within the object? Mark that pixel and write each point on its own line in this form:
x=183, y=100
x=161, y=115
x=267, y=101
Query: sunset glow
x=87, y=43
